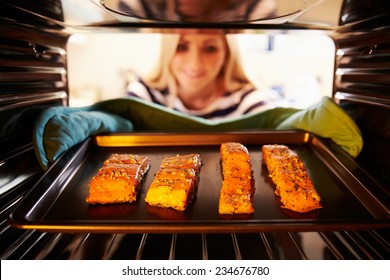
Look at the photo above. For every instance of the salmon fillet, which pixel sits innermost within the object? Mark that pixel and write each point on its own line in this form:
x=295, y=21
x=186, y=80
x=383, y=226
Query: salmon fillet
x=118, y=180
x=289, y=174
x=175, y=182
x=236, y=194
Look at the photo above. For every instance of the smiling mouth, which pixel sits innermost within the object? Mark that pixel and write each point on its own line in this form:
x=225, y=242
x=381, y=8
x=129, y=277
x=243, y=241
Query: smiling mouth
x=194, y=75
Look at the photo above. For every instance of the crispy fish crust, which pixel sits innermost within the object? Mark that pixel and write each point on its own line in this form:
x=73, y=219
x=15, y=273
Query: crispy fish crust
x=118, y=180
x=175, y=182
x=236, y=195
x=293, y=185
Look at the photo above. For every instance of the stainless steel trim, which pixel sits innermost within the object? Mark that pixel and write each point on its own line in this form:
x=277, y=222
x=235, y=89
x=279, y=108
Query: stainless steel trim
x=368, y=100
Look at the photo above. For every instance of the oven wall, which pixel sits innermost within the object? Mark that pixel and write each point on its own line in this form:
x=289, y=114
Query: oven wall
x=33, y=77
x=33, y=71
x=362, y=80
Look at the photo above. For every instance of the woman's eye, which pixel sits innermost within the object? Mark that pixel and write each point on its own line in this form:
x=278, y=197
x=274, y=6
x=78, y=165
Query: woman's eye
x=182, y=48
x=210, y=49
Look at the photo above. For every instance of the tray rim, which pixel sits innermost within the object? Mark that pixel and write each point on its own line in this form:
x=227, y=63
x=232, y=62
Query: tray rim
x=144, y=139
x=17, y=216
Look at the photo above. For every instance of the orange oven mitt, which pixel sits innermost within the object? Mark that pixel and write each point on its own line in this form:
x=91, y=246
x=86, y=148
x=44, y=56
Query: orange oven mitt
x=60, y=128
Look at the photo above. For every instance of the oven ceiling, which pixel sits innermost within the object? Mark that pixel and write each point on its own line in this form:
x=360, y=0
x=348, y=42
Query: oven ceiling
x=322, y=14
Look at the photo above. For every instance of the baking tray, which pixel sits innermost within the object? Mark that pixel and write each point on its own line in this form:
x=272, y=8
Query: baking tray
x=57, y=201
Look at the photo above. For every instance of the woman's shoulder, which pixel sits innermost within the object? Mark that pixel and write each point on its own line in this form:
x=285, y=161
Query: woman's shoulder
x=137, y=83
x=139, y=88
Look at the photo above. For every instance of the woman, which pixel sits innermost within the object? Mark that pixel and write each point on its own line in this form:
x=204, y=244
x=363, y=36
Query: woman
x=199, y=73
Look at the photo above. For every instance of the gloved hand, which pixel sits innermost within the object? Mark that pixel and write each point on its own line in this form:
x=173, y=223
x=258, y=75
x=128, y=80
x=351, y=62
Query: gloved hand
x=327, y=120
x=60, y=128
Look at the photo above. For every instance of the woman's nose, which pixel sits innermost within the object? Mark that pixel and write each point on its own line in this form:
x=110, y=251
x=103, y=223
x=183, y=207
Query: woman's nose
x=194, y=58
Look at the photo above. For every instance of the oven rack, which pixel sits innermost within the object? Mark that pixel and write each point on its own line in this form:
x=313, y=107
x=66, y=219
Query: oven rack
x=19, y=244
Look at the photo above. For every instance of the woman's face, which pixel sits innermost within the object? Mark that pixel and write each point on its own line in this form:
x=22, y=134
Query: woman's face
x=198, y=61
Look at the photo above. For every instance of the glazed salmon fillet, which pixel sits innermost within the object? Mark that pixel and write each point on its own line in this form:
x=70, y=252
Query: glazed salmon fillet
x=175, y=182
x=289, y=174
x=236, y=194
x=143, y=161
x=118, y=180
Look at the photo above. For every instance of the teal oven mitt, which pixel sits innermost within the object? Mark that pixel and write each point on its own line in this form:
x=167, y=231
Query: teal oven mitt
x=60, y=128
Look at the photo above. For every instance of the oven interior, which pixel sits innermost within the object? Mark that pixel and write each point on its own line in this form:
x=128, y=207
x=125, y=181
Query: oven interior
x=43, y=42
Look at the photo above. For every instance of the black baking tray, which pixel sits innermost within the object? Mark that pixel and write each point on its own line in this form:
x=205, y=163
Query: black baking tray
x=57, y=202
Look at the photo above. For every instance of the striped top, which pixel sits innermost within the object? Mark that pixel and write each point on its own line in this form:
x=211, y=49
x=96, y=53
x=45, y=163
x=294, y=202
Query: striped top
x=230, y=105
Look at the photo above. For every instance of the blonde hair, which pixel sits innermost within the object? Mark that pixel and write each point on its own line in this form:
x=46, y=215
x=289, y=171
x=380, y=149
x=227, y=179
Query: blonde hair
x=161, y=76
